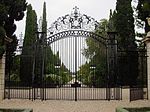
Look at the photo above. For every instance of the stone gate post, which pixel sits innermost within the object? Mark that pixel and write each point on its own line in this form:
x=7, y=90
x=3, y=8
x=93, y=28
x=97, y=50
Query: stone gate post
x=2, y=77
x=146, y=40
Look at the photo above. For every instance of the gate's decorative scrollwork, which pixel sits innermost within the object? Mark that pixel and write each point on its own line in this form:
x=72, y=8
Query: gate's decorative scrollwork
x=73, y=21
x=79, y=33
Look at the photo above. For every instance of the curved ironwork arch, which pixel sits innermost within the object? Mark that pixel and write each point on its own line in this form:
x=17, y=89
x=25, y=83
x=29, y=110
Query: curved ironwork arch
x=73, y=21
x=76, y=33
x=75, y=24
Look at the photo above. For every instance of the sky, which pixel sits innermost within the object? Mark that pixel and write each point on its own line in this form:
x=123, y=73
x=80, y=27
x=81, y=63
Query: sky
x=97, y=9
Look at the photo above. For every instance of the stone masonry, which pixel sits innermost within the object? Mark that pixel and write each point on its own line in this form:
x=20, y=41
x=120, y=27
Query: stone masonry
x=2, y=77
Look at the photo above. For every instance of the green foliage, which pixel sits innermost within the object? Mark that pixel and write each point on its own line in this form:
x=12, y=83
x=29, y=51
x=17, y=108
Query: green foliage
x=2, y=33
x=14, y=77
x=60, y=76
x=27, y=56
x=56, y=75
x=16, y=65
x=49, y=61
x=53, y=75
x=143, y=11
x=141, y=109
x=2, y=50
x=31, y=27
x=84, y=74
x=44, y=22
x=2, y=36
x=124, y=26
x=96, y=54
x=10, y=11
x=40, y=67
x=112, y=19
x=94, y=47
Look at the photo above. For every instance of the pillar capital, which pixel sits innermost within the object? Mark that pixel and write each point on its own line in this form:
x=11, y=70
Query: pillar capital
x=146, y=40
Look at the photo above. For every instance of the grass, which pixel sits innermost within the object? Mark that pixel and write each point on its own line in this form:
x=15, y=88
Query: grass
x=16, y=110
x=143, y=109
x=10, y=110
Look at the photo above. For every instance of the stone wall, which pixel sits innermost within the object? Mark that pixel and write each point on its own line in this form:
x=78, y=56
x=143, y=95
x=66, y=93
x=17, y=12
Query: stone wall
x=2, y=77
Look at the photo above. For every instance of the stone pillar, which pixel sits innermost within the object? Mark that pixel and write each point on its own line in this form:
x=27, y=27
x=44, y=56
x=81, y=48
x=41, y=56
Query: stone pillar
x=2, y=77
x=146, y=40
x=148, y=67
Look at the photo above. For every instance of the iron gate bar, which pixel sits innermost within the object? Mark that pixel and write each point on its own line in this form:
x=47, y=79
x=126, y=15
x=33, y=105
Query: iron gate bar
x=75, y=68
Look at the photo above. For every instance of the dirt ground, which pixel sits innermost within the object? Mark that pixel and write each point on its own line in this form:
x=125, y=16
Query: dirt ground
x=72, y=106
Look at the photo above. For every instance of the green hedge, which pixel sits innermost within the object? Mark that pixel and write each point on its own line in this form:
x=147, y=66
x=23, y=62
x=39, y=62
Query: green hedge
x=15, y=110
x=142, y=109
x=121, y=110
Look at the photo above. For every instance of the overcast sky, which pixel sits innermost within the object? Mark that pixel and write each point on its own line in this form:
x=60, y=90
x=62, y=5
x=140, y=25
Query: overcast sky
x=97, y=9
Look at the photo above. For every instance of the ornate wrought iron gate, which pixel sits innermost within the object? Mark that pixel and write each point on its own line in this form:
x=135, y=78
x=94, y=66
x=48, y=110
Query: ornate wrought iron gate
x=64, y=67
x=76, y=77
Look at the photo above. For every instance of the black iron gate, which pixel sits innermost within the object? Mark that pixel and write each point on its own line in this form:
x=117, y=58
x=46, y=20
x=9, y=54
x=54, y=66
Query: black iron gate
x=72, y=63
x=139, y=91
x=133, y=64
x=62, y=72
x=76, y=76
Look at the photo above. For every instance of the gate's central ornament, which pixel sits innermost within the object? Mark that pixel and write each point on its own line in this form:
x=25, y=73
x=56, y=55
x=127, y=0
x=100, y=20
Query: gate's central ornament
x=74, y=21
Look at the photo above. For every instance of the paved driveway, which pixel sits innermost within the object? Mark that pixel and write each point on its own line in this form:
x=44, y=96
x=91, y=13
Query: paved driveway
x=71, y=106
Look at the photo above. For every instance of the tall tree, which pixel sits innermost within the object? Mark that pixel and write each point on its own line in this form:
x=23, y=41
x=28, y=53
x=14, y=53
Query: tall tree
x=44, y=22
x=46, y=60
x=31, y=27
x=27, y=56
x=10, y=11
x=143, y=11
x=44, y=35
x=111, y=22
x=40, y=49
x=40, y=54
x=124, y=25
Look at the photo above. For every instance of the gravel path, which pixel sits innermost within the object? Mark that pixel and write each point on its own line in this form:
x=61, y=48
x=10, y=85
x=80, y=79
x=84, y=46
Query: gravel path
x=72, y=106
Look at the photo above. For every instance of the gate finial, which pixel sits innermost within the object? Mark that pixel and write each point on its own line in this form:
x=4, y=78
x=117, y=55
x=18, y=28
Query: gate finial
x=76, y=10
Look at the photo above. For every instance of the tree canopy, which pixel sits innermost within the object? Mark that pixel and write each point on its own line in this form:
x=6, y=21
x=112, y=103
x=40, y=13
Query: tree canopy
x=94, y=72
x=27, y=56
x=124, y=25
x=143, y=11
x=10, y=11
